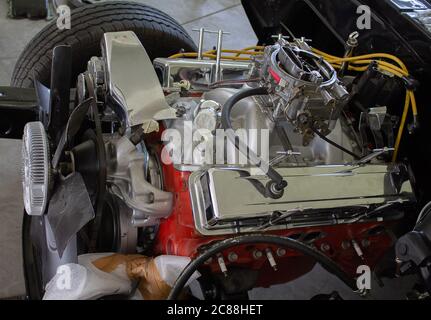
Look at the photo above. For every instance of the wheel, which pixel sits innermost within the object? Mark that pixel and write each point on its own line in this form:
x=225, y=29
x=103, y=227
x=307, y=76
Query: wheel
x=160, y=34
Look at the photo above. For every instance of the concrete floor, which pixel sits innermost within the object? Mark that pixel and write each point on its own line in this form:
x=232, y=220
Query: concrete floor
x=215, y=14
x=211, y=14
x=15, y=34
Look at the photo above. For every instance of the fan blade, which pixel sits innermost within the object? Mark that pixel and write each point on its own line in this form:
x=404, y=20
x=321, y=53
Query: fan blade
x=70, y=209
x=43, y=97
x=73, y=125
x=61, y=73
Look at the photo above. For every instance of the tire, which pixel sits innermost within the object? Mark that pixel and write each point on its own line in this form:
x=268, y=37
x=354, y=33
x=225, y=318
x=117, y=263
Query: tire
x=161, y=35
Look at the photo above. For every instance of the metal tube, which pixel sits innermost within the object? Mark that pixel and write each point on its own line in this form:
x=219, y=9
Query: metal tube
x=219, y=51
x=201, y=43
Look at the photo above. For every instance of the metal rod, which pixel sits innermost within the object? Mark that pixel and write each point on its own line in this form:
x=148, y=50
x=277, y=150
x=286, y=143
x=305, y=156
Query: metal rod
x=219, y=51
x=211, y=31
x=201, y=43
x=351, y=44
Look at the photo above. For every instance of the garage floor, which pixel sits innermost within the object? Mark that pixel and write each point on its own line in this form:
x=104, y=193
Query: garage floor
x=213, y=14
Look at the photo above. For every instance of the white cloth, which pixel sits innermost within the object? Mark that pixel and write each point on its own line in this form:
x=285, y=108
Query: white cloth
x=170, y=267
x=84, y=281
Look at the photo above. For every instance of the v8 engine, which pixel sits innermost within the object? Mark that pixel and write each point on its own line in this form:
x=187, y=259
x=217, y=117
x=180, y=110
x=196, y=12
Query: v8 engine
x=181, y=153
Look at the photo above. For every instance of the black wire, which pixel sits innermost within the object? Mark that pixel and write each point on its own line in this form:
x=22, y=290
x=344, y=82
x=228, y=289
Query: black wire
x=321, y=136
x=426, y=210
x=306, y=250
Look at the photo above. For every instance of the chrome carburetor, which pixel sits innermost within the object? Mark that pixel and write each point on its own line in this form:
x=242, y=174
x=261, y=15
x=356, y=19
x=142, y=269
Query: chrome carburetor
x=304, y=87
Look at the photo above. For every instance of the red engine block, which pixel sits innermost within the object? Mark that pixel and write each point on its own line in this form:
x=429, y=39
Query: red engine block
x=177, y=236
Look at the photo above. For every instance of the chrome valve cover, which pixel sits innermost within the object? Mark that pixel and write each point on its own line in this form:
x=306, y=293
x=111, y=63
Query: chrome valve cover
x=229, y=200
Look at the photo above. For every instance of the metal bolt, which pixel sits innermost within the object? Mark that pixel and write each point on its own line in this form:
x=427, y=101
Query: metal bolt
x=257, y=254
x=325, y=247
x=402, y=249
x=232, y=257
x=281, y=252
x=150, y=197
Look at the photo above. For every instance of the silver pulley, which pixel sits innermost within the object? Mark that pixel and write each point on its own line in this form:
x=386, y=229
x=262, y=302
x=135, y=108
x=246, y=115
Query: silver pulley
x=36, y=169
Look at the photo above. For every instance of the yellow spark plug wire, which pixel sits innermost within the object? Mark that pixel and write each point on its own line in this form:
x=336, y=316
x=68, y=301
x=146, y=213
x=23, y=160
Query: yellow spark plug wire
x=212, y=54
x=357, y=63
x=402, y=125
x=400, y=71
x=238, y=52
x=207, y=55
x=366, y=56
x=258, y=49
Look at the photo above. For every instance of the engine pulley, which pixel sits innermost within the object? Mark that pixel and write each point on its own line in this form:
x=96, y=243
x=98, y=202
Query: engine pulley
x=36, y=168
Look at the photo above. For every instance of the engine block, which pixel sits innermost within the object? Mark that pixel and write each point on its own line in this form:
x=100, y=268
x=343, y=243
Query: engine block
x=188, y=185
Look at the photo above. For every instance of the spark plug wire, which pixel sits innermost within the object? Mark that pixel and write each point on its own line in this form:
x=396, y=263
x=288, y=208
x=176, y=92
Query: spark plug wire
x=357, y=63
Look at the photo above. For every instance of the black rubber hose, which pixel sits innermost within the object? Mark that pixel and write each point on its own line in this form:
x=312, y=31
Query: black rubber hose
x=227, y=125
x=336, y=145
x=288, y=243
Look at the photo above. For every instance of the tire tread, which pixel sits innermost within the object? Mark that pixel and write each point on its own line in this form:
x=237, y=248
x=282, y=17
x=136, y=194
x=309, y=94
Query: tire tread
x=88, y=25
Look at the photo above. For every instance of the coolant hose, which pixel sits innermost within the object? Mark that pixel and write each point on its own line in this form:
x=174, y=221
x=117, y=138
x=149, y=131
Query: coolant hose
x=278, y=182
x=284, y=242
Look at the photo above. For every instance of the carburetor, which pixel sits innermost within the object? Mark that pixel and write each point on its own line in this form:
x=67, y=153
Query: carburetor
x=304, y=87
